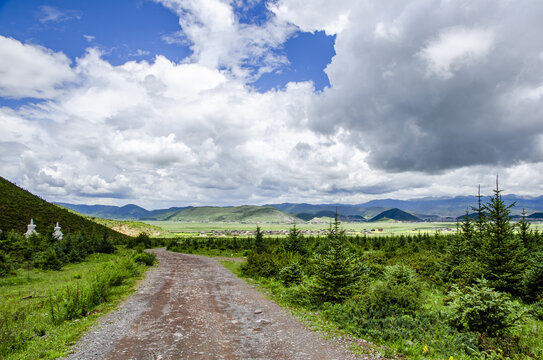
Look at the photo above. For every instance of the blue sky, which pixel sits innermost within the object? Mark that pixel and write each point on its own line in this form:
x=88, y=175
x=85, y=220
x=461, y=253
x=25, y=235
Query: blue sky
x=224, y=102
x=134, y=30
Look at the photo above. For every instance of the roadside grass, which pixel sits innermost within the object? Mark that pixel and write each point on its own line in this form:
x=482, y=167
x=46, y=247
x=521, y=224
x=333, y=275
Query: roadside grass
x=43, y=313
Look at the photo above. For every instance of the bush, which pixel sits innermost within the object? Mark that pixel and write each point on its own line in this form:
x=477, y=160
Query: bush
x=142, y=239
x=536, y=310
x=533, y=278
x=48, y=260
x=142, y=257
x=482, y=309
x=336, y=273
x=103, y=245
x=291, y=274
x=5, y=264
x=400, y=292
x=267, y=265
x=422, y=328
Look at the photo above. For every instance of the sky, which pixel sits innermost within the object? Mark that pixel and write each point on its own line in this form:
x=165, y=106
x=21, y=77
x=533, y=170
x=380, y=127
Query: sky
x=213, y=102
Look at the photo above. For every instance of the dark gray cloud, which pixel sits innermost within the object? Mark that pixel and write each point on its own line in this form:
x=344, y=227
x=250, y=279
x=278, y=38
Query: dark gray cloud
x=435, y=85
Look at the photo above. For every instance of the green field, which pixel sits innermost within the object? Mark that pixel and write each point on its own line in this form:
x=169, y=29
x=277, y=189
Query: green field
x=388, y=227
x=43, y=313
x=179, y=228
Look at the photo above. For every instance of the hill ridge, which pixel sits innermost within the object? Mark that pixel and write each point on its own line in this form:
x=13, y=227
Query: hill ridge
x=18, y=206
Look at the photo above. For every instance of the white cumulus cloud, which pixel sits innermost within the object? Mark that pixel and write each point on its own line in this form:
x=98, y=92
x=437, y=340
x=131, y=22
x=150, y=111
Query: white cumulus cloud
x=28, y=70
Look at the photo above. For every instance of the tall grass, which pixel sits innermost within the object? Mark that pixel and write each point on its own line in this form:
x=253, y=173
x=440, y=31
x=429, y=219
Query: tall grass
x=42, y=313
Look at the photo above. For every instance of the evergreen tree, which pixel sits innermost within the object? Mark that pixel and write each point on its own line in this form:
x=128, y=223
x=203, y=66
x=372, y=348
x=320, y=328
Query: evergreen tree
x=294, y=243
x=461, y=247
x=526, y=236
x=502, y=252
x=480, y=221
x=462, y=262
x=336, y=269
x=468, y=234
x=259, y=245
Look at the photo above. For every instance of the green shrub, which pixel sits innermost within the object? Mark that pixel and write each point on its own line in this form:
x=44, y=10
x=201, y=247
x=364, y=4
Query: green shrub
x=291, y=274
x=409, y=332
x=336, y=272
x=5, y=264
x=48, y=260
x=464, y=274
x=68, y=304
x=143, y=257
x=266, y=264
x=533, y=278
x=102, y=245
x=482, y=309
x=536, y=310
x=142, y=239
x=15, y=329
x=400, y=292
x=171, y=244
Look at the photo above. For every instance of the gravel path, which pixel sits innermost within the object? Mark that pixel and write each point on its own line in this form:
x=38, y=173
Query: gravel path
x=191, y=307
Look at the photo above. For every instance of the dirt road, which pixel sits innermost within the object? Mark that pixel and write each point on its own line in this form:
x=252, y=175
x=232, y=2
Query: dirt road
x=191, y=307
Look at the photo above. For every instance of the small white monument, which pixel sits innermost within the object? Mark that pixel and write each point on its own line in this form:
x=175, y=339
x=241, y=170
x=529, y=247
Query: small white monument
x=31, y=229
x=57, y=234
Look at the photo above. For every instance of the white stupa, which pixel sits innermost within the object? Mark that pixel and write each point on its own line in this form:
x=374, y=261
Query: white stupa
x=57, y=234
x=31, y=229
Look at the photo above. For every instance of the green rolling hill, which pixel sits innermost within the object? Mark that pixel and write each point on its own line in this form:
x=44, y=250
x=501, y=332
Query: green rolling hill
x=246, y=213
x=395, y=214
x=17, y=206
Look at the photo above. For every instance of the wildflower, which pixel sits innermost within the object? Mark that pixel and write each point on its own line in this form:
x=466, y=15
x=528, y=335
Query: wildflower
x=425, y=349
x=451, y=358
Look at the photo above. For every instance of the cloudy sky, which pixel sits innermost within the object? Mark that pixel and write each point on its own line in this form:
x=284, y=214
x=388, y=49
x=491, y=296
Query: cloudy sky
x=217, y=102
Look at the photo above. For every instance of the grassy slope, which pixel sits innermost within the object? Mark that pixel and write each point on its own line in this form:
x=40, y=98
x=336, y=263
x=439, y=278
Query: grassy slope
x=17, y=206
x=131, y=228
x=246, y=213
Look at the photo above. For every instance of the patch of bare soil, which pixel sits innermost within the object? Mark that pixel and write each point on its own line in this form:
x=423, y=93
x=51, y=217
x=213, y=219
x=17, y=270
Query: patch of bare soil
x=191, y=307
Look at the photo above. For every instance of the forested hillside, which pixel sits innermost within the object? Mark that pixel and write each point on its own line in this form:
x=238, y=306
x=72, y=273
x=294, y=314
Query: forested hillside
x=18, y=206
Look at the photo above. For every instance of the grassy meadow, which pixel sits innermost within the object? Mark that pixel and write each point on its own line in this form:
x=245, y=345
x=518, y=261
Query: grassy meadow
x=178, y=228
x=43, y=313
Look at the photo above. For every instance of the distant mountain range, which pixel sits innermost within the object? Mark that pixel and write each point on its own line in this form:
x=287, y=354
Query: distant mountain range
x=127, y=212
x=423, y=208
x=400, y=210
x=246, y=213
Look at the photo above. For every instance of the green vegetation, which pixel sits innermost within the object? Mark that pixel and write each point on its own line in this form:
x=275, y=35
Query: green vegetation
x=475, y=294
x=44, y=312
x=18, y=206
x=394, y=214
x=247, y=213
x=130, y=228
x=181, y=228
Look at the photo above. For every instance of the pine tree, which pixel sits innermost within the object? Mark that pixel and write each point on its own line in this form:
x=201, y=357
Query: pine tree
x=461, y=248
x=462, y=262
x=294, y=242
x=336, y=269
x=480, y=221
x=502, y=253
x=259, y=246
x=526, y=236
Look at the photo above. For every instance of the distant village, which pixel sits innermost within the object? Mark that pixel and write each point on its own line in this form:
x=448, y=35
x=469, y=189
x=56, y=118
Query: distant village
x=320, y=232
